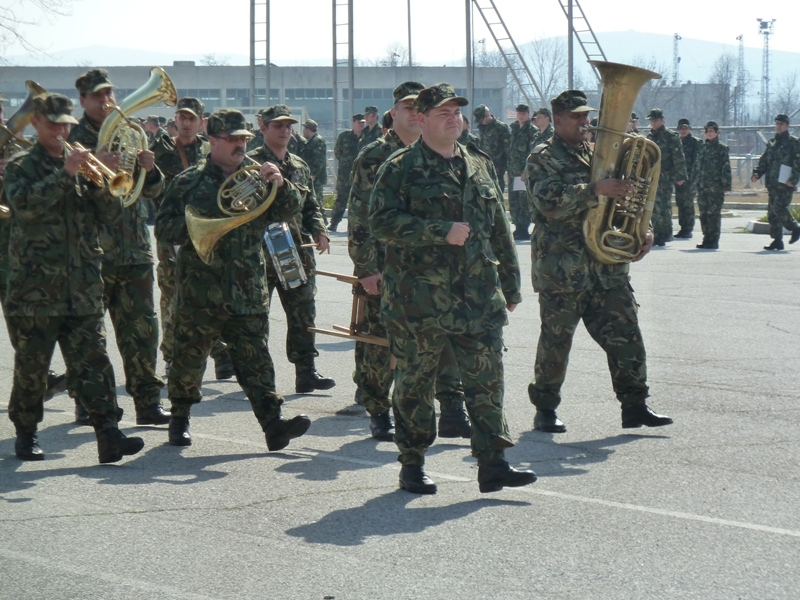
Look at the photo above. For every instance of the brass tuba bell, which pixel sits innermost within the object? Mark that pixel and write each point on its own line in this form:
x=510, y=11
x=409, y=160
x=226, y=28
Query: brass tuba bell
x=615, y=234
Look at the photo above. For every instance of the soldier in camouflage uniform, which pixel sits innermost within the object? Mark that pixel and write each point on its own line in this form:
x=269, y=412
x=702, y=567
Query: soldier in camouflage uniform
x=345, y=152
x=450, y=276
x=386, y=122
x=127, y=259
x=523, y=141
x=783, y=149
x=495, y=139
x=673, y=172
x=711, y=178
x=373, y=373
x=228, y=298
x=306, y=224
x=572, y=284
x=372, y=130
x=684, y=194
x=258, y=138
x=315, y=153
x=467, y=136
x=542, y=119
x=55, y=289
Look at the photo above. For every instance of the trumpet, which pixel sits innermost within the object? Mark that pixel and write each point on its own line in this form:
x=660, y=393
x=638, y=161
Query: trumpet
x=118, y=184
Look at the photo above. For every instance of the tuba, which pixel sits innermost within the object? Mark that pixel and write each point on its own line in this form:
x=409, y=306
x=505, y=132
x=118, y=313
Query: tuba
x=120, y=134
x=243, y=196
x=615, y=234
x=10, y=142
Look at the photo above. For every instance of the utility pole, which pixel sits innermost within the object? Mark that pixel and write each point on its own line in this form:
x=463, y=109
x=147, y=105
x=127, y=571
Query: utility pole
x=676, y=61
x=765, y=28
x=738, y=105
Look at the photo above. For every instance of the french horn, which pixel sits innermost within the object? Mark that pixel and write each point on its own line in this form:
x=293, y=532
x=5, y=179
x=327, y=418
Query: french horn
x=120, y=134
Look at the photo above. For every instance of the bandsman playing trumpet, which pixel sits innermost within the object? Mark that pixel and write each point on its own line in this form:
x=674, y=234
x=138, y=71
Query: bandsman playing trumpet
x=55, y=287
x=228, y=298
x=127, y=260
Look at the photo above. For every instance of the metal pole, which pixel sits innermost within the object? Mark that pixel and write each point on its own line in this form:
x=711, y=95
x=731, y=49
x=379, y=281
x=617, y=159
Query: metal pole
x=351, y=58
x=470, y=72
x=410, y=63
x=570, y=55
x=267, y=85
x=252, y=100
x=335, y=77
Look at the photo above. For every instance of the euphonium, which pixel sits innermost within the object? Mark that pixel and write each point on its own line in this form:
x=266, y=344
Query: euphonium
x=243, y=196
x=10, y=143
x=119, y=134
x=119, y=184
x=615, y=233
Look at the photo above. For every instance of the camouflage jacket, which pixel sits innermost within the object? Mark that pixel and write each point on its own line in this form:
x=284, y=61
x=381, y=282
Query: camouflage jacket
x=783, y=149
x=236, y=279
x=544, y=136
x=54, y=252
x=468, y=137
x=256, y=142
x=712, y=168
x=315, y=154
x=559, y=202
x=673, y=163
x=522, y=144
x=691, y=145
x=127, y=241
x=365, y=251
x=417, y=197
x=345, y=151
x=169, y=160
x=370, y=135
x=296, y=143
x=307, y=214
x=496, y=142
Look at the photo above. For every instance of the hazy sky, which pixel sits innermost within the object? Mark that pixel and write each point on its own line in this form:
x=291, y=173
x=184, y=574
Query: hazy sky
x=301, y=30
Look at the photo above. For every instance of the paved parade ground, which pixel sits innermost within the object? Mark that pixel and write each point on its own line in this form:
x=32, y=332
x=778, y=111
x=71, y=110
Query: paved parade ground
x=706, y=508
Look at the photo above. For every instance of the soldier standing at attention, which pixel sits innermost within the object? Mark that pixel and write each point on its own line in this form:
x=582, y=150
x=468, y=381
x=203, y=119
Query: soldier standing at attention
x=522, y=144
x=673, y=173
x=127, y=260
x=495, y=139
x=711, y=178
x=574, y=286
x=542, y=120
x=467, y=136
x=780, y=165
x=373, y=372
x=55, y=288
x=315, y=153
x=345, y=152
x=373, y=129
x=684, y=194
x=228, y=298
x=298, y=303
x=450, y=277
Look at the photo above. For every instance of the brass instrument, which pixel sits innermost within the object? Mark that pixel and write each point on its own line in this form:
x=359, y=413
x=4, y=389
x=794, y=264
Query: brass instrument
x=243, y=196
x=119, y=184
x=120, y=134
x=10, y=142
x=616, y=232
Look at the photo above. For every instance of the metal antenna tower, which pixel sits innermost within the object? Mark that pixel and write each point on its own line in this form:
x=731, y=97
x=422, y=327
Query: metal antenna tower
x=738, y=104
x=765, y=28
x=343, y=64
x=676, y=61
x=259, y=51
x=579, y=26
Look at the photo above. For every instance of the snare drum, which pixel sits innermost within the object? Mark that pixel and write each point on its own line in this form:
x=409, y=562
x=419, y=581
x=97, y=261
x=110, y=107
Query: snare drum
x=285, y=257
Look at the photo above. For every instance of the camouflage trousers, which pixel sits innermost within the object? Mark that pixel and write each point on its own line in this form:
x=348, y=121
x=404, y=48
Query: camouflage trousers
x=128, y=297
x=501, y=176
x=165, y=272
x=340, y=204
x=610, y=317
x=709, y=204
x=519, y=209
x=246, y=338
x=417, y=349
x=301, y=313
x=319, y=192
x=684, y=198
x=778, y=214
x=373, y=371
x=662, y=213
x=83, y=345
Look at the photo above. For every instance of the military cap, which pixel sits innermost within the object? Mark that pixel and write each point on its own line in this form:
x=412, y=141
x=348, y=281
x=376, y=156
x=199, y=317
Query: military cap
x=311, y=124
x=634, y=116
x=191, y=105
x=228, y=121
x=545, y=111
x=712, y=125
x=437, y=95
x=93, y=80
x=3, y=98
x=480, y=112
x=279, y=112
x=782, y=118
x=523, y=108
x=466, y=120
x=655, y=113
x=172, y=123
x=54, y=107
x=570, y=101
x=373, y=110
x=408, y=90
x=682, y=122
x=358, y=117
x=387, y=121
x=153, y=119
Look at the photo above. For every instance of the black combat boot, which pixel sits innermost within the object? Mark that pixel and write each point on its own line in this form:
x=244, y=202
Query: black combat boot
x=27, y=446
x=179, y=431
x=223, y=366
x=279, y=432
x=112, y=445
x=81, y=414
x=494, y=476
x=381, y=427
x=152, y=415
x=454, y=423
x=795, y=235
x=307, y=379
x=55, y=384
x=684, y=234
x=641, y=414
x=548, y=421
x=775, y=245
x=413, y=479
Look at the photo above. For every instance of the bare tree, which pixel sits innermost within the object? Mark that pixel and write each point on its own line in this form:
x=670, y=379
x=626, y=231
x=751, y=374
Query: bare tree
x=786, y=98
x=723, y=82
x=212, y=60
x=655, y=92
x=547, y=60
x=12, y=27
x=395, y=55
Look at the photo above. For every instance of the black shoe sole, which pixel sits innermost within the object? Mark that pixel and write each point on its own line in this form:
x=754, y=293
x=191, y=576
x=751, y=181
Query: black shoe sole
x=422, y=489
x=149, y=421
x=488, y=487
x=180, y=441
x=637, y=424
x=30, y=456
x=296, y=428
x=313, y=388
x=550, y=428
x=131, y=446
